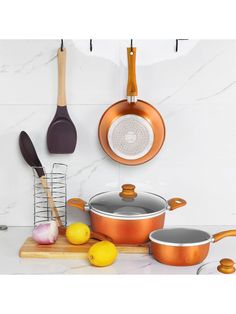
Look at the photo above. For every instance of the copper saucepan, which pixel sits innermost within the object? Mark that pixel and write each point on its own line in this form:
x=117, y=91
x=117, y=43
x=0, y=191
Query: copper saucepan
x=131, y=131
x=183, y=246
x=125, y=216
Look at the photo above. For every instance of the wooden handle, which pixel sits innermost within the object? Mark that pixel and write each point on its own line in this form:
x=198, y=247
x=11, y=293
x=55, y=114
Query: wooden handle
x=128, y=191
x=93, y=235
x=61, y=56
x=132, y=89
x=100, y=236
x=223, y=234
x=77, y=202
x=226, y=266
x=51, y=203
x=176, y=202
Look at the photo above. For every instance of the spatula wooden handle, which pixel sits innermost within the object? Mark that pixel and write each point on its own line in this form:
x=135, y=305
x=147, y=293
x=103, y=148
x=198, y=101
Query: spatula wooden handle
x=61, y=56
x=132, y=89
x=51, y=203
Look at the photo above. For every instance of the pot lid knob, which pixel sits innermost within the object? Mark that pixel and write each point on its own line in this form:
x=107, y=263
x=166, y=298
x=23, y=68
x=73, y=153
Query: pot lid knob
x=128, y=191
x=226, y=266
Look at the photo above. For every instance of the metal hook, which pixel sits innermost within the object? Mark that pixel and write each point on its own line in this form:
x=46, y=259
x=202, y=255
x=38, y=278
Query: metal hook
x=131, y=45
x=3, y=228
x=91, y=45
x=177, y=44
x=62, y=44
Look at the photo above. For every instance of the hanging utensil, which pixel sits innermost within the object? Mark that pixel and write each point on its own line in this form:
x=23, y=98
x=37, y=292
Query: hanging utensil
x=29, y=153
x=183, y=246
x=131, y=131
x=61, y=135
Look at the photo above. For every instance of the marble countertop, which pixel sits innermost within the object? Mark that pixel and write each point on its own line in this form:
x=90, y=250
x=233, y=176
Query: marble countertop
x=12, y=239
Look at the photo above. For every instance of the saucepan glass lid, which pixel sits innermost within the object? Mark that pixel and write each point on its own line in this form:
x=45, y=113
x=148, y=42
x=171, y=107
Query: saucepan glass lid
x=225, y=266
x=180, y=237
x=128, y=204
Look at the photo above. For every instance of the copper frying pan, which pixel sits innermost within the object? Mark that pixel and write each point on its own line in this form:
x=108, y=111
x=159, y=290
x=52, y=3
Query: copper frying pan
x=131, y=131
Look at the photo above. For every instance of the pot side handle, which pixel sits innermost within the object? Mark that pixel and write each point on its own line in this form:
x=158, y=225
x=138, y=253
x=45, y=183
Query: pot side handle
x=100, y=236
x=176, y=202
x=93, y=235
x=228, y=233
x=77, y=202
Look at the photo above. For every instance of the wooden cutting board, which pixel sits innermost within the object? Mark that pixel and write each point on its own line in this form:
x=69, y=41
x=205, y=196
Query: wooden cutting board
x=63, y=249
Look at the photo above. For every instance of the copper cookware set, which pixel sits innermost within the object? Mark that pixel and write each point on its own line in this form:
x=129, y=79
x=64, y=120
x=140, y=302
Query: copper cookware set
x=132, y=132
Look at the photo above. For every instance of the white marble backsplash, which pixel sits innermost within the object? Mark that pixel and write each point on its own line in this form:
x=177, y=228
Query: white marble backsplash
x=194, y=90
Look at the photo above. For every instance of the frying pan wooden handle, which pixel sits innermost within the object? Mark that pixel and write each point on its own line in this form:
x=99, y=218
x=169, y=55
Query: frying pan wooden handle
x=61, y=57
x=77, y=202
x=176, y=202
x=132, y=89
x=51, y=203
x=228, y=233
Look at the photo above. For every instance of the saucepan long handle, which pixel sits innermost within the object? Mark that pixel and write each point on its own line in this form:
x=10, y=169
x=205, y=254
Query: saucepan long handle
x=176, y=202
x=220, y=235
x=78, y=203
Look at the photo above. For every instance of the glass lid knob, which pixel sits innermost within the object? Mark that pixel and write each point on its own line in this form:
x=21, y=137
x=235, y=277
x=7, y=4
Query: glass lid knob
x=128, y=191
x=226, y=266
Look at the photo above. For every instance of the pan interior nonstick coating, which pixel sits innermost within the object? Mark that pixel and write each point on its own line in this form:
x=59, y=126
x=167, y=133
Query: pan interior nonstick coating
x=180, y=236
x=130, y=136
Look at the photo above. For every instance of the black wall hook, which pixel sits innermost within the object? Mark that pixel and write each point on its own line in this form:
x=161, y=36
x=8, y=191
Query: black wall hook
x=91, y=45
x=177, y=44
x=131, y=45
x=62, y=44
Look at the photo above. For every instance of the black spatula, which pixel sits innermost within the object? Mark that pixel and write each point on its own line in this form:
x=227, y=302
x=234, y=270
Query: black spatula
x=61, y=135
x=29, y=153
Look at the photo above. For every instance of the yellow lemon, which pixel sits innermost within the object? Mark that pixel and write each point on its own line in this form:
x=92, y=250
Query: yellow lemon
x=102, y=253
x=78, y=233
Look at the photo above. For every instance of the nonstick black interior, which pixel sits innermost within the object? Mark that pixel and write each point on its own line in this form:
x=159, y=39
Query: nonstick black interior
x=180, y=236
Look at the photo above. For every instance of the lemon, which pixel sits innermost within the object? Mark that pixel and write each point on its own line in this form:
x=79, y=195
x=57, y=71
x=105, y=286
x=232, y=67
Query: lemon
x=78, y=233
x=102, y=253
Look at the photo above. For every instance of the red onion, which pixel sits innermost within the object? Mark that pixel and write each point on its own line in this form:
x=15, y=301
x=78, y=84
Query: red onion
x=45, y=233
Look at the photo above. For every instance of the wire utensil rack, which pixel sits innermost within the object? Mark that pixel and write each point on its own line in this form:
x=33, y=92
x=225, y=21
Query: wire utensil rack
x=56, y=181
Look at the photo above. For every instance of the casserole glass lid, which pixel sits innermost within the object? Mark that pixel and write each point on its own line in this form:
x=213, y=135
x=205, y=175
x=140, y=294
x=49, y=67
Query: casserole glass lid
x=128, y=203
x=180, y=237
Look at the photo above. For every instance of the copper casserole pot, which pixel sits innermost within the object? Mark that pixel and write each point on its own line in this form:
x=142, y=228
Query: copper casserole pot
x=183, y=246
x=127, y=217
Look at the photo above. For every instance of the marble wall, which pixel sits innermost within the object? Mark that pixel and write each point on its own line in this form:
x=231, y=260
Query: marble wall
x=194, y=90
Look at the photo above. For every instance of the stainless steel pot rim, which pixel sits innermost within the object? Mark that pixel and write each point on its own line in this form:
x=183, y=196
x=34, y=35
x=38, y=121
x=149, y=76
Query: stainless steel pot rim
x=127, y=217
x=168, y=243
